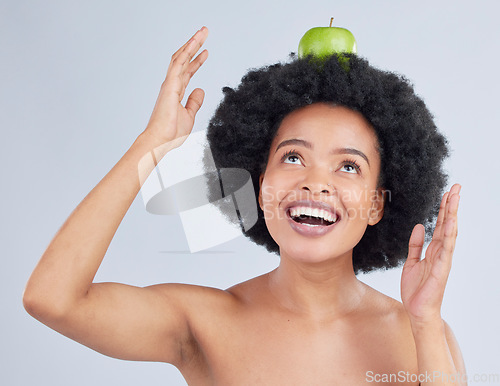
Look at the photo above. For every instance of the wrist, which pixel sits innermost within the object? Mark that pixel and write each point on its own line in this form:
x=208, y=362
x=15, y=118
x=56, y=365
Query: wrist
x=427, y=328
x=154, y=145
x=427, y=318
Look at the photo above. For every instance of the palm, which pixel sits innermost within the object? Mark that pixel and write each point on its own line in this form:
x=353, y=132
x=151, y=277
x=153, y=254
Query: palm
x=423, y=281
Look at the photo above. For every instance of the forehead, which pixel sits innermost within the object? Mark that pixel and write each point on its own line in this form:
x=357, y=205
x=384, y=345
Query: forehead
x=328, y=125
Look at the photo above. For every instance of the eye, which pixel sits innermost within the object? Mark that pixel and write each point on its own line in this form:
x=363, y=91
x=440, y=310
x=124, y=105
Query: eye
x=291, y=157
x=350, y=166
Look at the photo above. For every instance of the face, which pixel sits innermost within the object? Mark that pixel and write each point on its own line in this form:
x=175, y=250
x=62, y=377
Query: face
x=319, y=190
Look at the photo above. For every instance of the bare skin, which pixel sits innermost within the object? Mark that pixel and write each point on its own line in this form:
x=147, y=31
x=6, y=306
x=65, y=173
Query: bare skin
x=258, y=340
x=310, y=321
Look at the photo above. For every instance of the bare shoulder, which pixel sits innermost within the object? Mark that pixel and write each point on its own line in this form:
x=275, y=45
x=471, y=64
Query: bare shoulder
x=189, y=294
x=386, y=319
x=211, y=315
x=211, y=311
x=385, y=306
x=209, y=297
x=394, y=314
x=250, y=289
x=200, y=305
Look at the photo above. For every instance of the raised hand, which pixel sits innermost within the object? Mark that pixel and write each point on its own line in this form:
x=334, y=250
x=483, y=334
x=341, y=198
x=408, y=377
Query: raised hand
x=423, y=281
x=170, y=121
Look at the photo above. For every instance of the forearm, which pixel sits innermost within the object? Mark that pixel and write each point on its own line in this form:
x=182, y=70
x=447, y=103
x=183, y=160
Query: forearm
x=67, y=268
x=436, y=364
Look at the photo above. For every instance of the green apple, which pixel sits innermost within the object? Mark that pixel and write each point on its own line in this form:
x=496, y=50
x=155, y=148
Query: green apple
x=322, y=42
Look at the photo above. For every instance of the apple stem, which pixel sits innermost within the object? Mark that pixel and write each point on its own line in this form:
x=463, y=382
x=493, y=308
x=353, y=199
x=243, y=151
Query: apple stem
x=331, y=21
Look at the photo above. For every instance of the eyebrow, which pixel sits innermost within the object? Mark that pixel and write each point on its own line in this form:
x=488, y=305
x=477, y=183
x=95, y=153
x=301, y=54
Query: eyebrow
x=306, y=144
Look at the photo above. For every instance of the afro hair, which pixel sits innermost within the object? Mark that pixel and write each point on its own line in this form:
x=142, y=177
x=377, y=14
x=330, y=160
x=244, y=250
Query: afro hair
x=411, y=149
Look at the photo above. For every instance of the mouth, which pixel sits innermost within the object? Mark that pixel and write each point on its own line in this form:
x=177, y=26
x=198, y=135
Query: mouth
x=311, y=218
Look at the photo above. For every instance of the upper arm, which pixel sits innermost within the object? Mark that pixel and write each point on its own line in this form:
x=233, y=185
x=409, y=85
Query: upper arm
x=455, y=351
x=132, y=323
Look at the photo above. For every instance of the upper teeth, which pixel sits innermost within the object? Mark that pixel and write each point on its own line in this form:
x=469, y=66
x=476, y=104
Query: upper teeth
x=313, y=212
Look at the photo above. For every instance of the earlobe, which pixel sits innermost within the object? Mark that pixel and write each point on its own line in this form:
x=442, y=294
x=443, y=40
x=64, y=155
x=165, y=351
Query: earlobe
x=377, y=209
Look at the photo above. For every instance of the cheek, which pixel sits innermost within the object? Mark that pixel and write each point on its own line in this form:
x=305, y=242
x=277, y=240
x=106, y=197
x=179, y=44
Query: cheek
x=266, y=195
x=274, y=189
x=270, y=197
x=357, y=203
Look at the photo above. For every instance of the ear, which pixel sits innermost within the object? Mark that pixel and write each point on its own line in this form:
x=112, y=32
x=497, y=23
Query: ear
x=377, y=209
x=261, y=178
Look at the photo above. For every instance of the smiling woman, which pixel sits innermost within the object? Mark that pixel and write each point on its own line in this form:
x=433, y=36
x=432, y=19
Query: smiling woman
x=324, y=158
x=410, y=149
x=345, y=163
x=323, y=146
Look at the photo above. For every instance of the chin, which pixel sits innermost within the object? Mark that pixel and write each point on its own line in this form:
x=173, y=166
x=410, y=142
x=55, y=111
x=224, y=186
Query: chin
x=314, y=252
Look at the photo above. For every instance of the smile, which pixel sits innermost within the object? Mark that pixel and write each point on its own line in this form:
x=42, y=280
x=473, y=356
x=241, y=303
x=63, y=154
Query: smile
x=311, y=218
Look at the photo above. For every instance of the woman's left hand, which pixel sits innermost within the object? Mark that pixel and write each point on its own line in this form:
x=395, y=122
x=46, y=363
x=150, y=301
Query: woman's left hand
x=423, y=281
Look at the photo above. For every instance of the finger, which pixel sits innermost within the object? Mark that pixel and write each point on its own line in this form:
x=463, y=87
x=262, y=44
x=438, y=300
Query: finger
x=440, y=219
x=455, y=189
x=453, y=215
x=195, y=101
x=444, y=212
x=450, y=231
x=174, y=83
x=181, y=61
x=447, y=210
x=201, y=31
x=445, y=255
x=194, y=66
x=178, y=64
x=415, y=245
x=452, y=208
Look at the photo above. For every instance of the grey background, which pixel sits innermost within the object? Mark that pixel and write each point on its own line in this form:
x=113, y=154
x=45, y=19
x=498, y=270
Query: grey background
x=78, y=81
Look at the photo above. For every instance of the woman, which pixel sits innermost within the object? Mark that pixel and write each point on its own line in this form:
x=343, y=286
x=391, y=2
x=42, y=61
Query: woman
x=310, y=321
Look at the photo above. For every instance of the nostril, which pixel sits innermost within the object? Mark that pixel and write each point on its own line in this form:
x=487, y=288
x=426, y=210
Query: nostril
x=318, y=189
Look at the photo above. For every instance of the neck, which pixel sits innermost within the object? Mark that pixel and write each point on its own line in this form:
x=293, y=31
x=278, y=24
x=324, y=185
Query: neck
x=328, y=289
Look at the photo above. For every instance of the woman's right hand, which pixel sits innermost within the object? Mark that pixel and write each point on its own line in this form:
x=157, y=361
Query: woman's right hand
x=122, y=321
x=171, y=122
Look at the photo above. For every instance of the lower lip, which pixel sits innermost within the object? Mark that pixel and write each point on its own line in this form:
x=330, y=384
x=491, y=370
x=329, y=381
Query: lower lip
x=310, y=230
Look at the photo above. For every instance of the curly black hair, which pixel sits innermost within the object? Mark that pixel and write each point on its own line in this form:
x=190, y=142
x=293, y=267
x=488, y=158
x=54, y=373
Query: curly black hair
x=411, y=149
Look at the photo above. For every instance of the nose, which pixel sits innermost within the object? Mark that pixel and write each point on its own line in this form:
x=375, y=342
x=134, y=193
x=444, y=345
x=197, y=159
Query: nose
x=317, y=182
